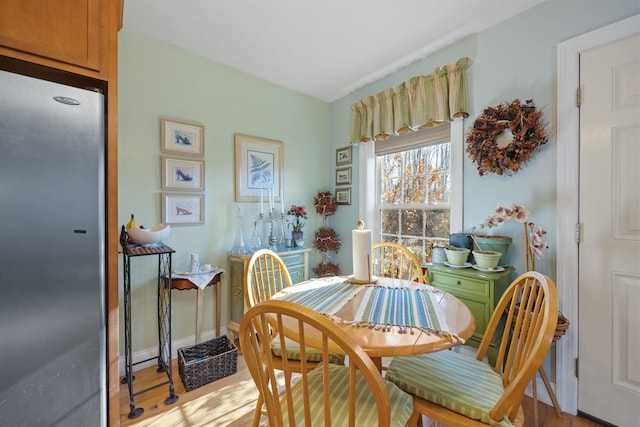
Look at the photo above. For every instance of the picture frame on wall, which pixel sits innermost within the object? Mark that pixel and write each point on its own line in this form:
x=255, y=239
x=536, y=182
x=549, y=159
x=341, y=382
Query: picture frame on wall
x=343, y=196
x=182, y=209
x=343, y=156
x=182, y=174
x=259, y=168
x=182, y=137
x=343, y=176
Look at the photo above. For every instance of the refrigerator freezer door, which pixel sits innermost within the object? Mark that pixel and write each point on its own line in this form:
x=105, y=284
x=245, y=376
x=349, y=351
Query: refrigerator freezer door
x=52, y=287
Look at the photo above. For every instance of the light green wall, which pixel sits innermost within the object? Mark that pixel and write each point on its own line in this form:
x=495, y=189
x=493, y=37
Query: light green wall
x=158, y=80
x=514, y=59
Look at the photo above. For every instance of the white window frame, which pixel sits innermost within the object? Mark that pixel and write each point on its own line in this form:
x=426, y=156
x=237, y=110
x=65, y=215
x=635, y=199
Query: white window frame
x=367, y=196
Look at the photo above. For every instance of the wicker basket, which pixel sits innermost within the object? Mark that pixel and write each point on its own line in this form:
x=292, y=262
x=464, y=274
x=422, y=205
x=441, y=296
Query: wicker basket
x=203, y=363
x=561, y=327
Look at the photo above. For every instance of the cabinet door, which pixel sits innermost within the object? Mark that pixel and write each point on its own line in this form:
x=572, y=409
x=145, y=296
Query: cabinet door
x=295, y=266
x=237, y=291
x=68, y=31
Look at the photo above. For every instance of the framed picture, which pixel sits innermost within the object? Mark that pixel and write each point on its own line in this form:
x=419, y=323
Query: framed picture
x=182, y=174
x=343, y=156
x=182, y=209
x=343, y=196
x=182, y=137
x=259, y=165
x=343, y=176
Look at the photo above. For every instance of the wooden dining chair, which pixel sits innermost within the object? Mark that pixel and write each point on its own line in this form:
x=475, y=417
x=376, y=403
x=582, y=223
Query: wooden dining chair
x=459, y=390
x=396, y=261
x=265, y=275
x=354, y=395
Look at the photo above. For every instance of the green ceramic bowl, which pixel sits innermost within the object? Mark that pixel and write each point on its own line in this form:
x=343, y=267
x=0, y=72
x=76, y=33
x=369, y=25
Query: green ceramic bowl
x=487, y=260
x=457, y=256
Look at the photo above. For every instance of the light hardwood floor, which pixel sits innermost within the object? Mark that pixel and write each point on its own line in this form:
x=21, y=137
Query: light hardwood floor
x=230, y=401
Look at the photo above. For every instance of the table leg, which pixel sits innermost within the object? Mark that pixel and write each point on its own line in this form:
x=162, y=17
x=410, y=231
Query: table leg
x=198, y=315
x=218, y=306
x=378, y=362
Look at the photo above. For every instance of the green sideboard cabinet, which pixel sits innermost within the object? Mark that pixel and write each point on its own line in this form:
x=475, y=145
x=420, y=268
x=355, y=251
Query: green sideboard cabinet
x=297, y=262
x=479, y=291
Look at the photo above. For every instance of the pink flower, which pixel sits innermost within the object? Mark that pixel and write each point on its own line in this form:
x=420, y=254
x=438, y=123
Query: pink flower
x=535, y=239
x=298, y=212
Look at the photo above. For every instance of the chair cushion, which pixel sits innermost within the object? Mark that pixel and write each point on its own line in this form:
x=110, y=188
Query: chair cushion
x=293, y=352
x=366, y=410
x=459, y=383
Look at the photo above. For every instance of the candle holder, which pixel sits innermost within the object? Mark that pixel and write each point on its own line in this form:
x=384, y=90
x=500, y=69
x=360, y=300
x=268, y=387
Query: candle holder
x=275, y=226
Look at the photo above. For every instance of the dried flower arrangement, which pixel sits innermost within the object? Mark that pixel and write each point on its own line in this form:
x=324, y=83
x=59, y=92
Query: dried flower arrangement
x=325, y=204
x=327, y=239
x=529, y=134
x=534, y=238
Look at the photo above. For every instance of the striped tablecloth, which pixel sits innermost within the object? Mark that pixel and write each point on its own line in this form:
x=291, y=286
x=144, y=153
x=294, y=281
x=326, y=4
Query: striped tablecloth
x=381, y=307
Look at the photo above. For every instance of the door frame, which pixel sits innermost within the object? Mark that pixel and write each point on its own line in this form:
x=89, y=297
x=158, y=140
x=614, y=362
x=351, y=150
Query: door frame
x=568, y=174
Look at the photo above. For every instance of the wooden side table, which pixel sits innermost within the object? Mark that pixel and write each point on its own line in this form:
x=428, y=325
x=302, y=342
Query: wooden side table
x=182, y=284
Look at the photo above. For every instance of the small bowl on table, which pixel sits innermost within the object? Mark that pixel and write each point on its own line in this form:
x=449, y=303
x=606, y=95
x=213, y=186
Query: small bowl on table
x=457, y=256
x=487, y=260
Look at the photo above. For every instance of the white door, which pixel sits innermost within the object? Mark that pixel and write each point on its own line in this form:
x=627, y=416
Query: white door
x=609, y=254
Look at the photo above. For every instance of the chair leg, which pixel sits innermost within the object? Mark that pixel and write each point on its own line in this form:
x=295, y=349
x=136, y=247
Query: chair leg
x=535, y=401
x=552, y=395
x=257, y=414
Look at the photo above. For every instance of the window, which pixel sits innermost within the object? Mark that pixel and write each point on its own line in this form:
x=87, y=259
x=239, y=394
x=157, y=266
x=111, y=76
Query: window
x=414, y=192
x=413, y=187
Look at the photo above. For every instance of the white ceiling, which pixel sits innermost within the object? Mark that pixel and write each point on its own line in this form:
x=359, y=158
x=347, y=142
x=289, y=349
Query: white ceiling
x=325, y=49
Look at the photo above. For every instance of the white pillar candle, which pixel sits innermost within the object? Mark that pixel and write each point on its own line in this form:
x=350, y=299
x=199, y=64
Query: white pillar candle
x=361, y=241
x=261, y=203
x=282, y=203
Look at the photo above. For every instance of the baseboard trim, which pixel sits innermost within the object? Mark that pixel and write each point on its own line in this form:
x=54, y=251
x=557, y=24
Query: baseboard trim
x=152, y=353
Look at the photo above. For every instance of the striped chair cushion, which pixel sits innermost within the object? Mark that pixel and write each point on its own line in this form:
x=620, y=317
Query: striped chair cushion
x=293, y=352
x=457, y=382
x=366, y=411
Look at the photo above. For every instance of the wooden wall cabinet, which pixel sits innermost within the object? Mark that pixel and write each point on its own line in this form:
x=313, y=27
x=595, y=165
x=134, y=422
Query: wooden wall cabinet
x=479, y=291
x=70, y=35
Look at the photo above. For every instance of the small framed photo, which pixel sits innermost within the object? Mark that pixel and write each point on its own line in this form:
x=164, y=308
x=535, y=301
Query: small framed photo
x=182, y=209
x=343, y=196
x=343, y=176
x=343, y=156
x=182, y=137
x=182, y=174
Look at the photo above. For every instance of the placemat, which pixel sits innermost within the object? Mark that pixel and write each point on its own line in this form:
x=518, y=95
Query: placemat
x=382, y=307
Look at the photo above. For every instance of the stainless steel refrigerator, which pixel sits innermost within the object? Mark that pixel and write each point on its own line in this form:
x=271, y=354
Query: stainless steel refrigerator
x=53, y=367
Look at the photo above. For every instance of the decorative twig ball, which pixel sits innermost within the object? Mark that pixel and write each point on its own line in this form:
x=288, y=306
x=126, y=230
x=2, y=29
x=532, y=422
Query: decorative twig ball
x=325, y=203
x=327, y=240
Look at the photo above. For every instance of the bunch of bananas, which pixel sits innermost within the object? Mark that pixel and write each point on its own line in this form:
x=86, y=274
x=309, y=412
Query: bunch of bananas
x=130, y=224
x=124, y=236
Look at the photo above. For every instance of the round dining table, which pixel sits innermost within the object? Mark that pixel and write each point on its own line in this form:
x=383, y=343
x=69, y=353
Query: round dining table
x=395, y=341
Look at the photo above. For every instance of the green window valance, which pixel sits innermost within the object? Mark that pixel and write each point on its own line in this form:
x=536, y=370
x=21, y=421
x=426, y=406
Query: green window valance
x=420, y=102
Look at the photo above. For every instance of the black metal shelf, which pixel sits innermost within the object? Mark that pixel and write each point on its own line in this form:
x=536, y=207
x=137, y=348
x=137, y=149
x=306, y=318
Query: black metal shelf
x=163, y=252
